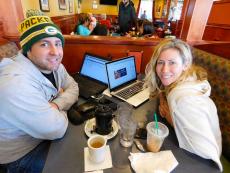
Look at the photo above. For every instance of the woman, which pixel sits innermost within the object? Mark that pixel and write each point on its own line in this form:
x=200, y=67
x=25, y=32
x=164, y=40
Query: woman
x=83, y=28
x=146, y=29
x=184, y=99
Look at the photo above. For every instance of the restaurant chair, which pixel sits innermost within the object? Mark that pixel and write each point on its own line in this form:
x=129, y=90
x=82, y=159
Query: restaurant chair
x=138, y=58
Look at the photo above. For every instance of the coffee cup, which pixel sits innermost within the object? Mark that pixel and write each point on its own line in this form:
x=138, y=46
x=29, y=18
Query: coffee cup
x=156, y=136
x=97, y=148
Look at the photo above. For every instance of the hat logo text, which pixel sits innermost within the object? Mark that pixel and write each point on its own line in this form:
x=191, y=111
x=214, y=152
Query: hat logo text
x=51, y=30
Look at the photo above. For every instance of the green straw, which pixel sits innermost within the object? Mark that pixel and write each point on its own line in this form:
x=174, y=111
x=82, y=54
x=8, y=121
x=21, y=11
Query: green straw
x=156, y=122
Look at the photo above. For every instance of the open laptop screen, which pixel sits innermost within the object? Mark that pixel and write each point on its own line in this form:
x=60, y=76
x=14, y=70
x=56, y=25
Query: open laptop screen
x=94, y=68
x=121, y=71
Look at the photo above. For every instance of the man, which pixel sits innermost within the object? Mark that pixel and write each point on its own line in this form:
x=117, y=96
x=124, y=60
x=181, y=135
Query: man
x=126, y=16
x=144, y=16
x=36, y=92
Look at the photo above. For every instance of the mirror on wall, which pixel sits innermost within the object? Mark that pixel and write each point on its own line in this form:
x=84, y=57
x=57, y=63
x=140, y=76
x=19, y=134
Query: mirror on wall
x=175, y=10
x=163, y=9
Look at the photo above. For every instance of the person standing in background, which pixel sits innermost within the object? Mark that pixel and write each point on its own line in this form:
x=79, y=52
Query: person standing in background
x=126, y=16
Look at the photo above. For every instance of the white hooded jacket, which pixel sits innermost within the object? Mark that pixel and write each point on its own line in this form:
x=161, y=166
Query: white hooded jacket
x=195, y=119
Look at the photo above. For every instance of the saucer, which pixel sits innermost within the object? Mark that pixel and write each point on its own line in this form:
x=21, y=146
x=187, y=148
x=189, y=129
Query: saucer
x=89, y=128
x=91, y=166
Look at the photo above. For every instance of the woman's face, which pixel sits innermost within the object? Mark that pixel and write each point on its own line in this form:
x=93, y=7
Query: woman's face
x=169, y=66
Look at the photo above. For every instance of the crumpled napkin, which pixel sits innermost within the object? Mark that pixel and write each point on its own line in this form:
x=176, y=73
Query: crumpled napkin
x=161, y=162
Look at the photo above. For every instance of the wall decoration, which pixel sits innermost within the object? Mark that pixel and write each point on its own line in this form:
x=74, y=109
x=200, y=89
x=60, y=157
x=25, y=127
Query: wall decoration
x=44, y=5
x=94, y=4
x=70, y=6
x=62, y=4
x=79, y=3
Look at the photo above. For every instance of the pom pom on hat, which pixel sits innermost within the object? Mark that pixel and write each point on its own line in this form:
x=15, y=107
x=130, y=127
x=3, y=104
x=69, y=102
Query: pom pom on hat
x=36, y=27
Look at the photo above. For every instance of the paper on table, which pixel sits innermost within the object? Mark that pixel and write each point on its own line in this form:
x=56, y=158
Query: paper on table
x=107, y=92
x=91, y=166
x=100, y=171
x=161, y=162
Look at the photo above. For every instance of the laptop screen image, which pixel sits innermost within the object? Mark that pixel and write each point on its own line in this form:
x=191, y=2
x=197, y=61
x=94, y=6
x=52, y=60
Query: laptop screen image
x=121, y=72
x=94, y=68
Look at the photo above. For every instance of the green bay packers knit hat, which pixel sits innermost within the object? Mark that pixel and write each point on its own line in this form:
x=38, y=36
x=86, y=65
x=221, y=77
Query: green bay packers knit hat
x=36, y=27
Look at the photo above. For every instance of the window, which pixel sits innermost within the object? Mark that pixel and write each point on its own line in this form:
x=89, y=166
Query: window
x=146, y=5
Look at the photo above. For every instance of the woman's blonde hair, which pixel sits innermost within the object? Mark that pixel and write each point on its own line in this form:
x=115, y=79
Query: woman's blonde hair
x=183, y=48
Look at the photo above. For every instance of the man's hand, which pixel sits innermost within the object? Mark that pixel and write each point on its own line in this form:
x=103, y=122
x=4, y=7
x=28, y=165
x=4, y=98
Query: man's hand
x=54, y=105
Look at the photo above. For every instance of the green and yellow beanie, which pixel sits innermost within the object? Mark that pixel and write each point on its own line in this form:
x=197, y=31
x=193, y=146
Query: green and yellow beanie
x=36, y=27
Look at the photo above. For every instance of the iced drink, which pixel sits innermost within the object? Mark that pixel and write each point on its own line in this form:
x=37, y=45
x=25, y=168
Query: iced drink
x=155, y=138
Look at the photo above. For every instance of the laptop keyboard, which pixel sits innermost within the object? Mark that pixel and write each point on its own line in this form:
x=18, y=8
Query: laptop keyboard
x=88, y=87
x=132, y=90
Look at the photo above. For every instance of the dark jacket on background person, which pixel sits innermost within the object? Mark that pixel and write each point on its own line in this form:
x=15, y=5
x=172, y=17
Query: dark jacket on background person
x=100, y=30
x=126, y=17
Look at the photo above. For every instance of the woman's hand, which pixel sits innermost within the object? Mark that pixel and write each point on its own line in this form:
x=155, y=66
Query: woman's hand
x=91, y=27
x=60, y=91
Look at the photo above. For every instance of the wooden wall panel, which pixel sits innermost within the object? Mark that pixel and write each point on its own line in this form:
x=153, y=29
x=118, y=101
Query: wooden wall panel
x=220, y=13
x=218, y=25
x=1, y=29
x=188, y=8
x=218, y=48
x=66, y=23
x=178, y=28
x=217, y=33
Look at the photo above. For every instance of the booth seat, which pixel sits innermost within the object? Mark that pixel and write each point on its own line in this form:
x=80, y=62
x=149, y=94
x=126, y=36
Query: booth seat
x=8, y=50
x=218, y=69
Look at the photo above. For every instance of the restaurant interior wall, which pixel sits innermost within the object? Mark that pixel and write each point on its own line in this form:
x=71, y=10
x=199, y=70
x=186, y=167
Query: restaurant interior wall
x=86, y=7
x=218, y=25
x=53, y=5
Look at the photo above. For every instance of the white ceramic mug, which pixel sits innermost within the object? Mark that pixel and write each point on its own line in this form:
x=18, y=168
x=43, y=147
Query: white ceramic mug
x=97, y=148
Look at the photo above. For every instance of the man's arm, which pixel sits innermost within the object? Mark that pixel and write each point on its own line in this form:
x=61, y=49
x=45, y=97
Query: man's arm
x=68, y=92
x=25, y=108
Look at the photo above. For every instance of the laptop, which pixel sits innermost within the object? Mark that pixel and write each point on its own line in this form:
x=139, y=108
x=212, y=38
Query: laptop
x=92, y=78
x=123, y=83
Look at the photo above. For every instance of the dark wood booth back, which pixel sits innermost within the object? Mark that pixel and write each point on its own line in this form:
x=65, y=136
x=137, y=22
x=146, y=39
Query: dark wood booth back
x=106, y=46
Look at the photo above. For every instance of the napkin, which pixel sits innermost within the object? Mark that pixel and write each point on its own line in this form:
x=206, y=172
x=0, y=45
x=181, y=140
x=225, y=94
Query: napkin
x=161, y=162
x=91, y=166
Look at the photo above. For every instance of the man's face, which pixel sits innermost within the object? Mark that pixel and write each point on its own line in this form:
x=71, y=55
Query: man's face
x=47, y=53
x=125, y=1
